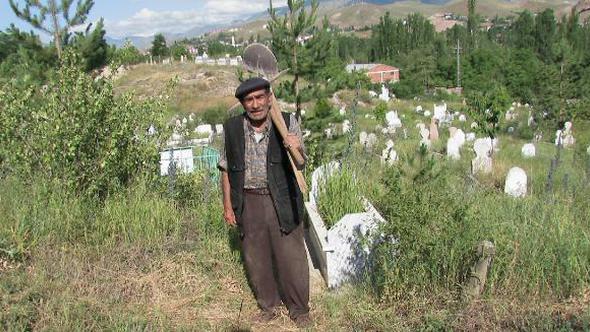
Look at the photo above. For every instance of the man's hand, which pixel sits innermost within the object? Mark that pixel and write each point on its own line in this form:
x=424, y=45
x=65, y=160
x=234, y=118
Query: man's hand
x=229, y=216
x=292, y=141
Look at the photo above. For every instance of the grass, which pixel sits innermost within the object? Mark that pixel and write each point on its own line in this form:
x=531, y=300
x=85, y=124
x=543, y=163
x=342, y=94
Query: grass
x=339, y=195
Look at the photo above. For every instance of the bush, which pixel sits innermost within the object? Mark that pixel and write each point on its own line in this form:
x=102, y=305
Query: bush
x=76, y=130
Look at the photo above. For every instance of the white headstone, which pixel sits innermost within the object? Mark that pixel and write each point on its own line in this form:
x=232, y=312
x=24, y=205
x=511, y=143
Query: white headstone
x=329, y=133
x=425, y=134
x=342, y=110
x=320, y=175
x=363, y=138
x=219, y=129
x=427, y=114
x=528, y=150
x=371, y=140
x=440, y=112
x=346, y=126
x=462, y=118
x=482, y=163
x=204, y=129
x=184, y=121
x=393, y=120
x=373, y=94
x=384, y=93
x=470, y=137
x=453, y=149
x=559, y=137
x=418, y=108
x=183, y=159
x=516, y=182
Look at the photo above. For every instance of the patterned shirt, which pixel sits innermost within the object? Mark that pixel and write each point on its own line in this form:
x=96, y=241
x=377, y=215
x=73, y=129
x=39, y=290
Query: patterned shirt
x=256, y=150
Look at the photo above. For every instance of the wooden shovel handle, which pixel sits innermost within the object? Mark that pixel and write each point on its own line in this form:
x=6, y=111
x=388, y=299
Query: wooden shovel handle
x=279, y=122
x=294, y=154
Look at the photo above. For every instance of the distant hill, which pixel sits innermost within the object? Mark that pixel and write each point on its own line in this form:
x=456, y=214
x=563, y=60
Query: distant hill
x=359, y=13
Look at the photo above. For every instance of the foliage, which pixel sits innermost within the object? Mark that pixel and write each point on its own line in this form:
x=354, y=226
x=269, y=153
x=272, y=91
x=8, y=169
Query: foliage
x=23, y=58
x=380, y=110
x=92, y=46
x=286, y=33
x=177, y=50
x=487, y=109
x=36, y=12
x=159, y=47
x=215, y=115
x=76, y=130
x=339, y=195
x=126, y=55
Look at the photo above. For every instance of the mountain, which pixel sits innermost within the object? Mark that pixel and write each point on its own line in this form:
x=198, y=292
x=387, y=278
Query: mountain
x=359, y=13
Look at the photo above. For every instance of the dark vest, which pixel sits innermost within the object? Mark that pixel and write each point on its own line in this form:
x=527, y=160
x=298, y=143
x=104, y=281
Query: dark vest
x=285, y=193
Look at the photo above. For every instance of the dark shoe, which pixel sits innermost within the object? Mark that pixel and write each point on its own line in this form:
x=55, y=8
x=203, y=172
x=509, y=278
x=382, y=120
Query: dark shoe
x=303, y=321
x=265, y=316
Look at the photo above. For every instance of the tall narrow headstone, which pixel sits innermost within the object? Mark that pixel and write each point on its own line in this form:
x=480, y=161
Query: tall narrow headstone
x=516, y=182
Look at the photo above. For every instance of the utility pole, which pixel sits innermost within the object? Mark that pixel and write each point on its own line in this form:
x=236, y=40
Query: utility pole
x=458, y=49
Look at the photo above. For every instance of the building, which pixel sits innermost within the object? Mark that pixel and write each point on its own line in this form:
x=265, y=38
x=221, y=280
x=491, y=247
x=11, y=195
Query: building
x=378, y=73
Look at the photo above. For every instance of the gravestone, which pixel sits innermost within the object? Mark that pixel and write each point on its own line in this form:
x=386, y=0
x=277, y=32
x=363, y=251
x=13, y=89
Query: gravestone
x=462, y=118
x=204, y=129
x=419, y=109
x=184, y=121
x=373, y=94
x=393, y=120
x=559, y=137
x=482, y=163
x=452, y=131
x=425, y=133
x=384, y=93
x=371, y=141
x=474, y=125
x=528, y=150
x=151, y=130
x=470, y=137
x=516, y=182
x=453, y=149
x=363, y=138
x=321, y=174
x=459, y=136
x=388, y=155
x=427, y=114
x=346, y=126
x=329, y=133
x=510, y=130
x=342, y=110
x=219, y=129
x=440, y=112
x=433, y=130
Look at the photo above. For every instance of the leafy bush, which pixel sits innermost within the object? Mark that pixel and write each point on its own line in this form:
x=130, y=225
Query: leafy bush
x=76, y=130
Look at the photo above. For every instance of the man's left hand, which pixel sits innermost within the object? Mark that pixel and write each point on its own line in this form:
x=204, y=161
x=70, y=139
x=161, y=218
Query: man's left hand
x=292, y=141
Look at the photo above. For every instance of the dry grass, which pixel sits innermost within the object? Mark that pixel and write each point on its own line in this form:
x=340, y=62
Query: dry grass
x=198, y=88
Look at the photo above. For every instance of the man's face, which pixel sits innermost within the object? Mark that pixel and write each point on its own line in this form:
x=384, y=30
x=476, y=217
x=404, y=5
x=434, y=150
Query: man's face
x=257, y=104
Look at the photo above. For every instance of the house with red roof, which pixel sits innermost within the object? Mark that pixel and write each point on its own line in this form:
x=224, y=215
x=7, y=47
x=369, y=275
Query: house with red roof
x=377, y=72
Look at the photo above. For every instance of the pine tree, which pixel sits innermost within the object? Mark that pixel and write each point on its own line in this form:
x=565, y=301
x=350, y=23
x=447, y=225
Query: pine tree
x=92, y=46
x=36, y=12
x=287, y=32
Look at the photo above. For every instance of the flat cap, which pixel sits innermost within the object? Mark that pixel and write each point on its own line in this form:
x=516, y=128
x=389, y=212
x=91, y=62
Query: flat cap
x=250, y=85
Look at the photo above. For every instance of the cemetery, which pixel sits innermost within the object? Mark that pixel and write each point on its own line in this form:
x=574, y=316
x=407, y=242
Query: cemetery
x=455, y=197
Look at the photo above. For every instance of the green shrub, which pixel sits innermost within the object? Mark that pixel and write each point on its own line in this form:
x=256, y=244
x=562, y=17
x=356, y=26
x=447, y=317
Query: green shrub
x=76, y=130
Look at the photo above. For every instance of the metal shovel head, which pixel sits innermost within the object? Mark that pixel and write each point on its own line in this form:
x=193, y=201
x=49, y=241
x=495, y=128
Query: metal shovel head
x=259, y=59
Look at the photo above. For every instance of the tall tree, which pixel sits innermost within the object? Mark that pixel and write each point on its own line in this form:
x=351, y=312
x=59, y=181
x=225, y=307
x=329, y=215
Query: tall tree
x=36, y=12
x=159, y=47
x=287, y=33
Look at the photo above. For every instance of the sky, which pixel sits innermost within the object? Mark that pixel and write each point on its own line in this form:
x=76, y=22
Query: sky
x=147, y=17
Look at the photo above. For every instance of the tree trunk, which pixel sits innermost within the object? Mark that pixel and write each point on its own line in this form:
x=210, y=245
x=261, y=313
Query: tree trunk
x=57, y=38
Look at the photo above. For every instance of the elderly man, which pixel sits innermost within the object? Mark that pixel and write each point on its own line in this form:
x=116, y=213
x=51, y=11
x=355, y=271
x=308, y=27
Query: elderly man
x=261, y=196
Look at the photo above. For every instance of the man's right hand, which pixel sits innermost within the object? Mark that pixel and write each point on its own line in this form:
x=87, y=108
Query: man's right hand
x=229, y=216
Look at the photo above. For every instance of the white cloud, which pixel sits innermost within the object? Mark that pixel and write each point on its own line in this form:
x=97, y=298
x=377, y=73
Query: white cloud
x=148, y=22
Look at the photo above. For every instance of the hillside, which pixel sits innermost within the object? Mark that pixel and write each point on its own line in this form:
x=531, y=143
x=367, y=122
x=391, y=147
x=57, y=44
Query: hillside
x=366, y=14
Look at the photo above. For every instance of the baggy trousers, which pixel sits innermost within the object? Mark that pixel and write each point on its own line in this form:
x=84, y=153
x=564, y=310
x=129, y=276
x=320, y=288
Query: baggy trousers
x=274, y=260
